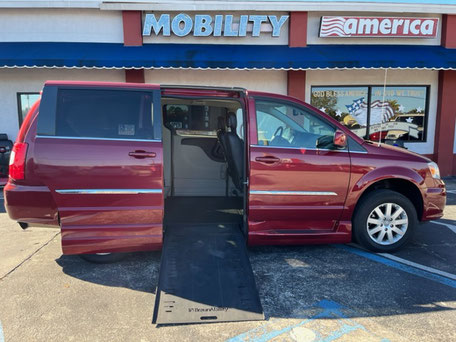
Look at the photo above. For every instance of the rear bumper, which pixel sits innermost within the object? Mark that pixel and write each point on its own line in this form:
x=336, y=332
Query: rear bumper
x=30, y=204
x=434, y=201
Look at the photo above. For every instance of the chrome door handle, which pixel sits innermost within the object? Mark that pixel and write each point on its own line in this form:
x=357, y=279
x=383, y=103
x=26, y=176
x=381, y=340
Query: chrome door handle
x=267, y=159
x=142, y=154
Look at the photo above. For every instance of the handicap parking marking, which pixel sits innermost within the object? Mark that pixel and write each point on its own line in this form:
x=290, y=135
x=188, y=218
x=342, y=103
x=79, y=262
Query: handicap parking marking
x=337, y=325
x=420, y=272
x=452, y=227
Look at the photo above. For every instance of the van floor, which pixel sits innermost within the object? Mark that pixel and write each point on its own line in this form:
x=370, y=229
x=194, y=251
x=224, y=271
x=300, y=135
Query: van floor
x=198, y=209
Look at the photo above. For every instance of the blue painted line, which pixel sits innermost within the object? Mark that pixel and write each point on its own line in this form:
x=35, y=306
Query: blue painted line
x=2, y=338
x=399, y=266
x=330, y=309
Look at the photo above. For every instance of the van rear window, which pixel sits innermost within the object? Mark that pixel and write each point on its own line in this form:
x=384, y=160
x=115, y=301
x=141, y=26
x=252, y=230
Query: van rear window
x=115, y=114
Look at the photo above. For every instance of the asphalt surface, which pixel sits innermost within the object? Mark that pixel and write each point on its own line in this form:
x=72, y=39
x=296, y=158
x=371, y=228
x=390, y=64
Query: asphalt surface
x=308, y=293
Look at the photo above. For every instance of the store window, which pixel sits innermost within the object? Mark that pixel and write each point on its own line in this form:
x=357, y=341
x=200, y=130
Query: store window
x=24, y=102
x=399, y=113
x=280, y=124
x=348, y=105
x=104, y=114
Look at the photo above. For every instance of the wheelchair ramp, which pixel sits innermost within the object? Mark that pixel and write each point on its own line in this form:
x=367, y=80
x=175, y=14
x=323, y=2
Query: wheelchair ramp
x=205, y=276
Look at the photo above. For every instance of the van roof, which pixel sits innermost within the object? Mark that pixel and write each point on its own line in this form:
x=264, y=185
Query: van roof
x=141, y=85
x=102, y=84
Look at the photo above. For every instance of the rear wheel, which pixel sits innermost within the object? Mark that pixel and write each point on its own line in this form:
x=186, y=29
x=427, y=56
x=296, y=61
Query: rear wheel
x=103, y=258
x=384, y=221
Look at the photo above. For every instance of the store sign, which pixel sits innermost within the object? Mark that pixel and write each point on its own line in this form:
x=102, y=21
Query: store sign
x=204, y=25
x=378, y=27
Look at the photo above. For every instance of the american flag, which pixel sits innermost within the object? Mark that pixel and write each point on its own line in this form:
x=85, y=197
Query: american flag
x=333, y=27
x=379, y=111
x=356, y=105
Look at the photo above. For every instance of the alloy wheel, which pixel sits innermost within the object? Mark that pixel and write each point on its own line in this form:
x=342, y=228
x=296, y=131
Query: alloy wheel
x=387, y=223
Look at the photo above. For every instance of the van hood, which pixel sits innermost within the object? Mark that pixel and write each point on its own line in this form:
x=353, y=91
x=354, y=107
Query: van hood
x=395, y=151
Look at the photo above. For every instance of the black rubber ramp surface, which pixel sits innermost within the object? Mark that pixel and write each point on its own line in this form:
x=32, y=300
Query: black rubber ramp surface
x=205, y=276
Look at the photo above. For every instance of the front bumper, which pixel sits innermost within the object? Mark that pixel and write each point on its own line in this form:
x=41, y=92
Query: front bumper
x=434, y=201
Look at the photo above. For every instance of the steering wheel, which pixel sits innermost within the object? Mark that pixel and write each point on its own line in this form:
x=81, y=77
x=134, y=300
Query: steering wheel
x=278, y=140
x=278, y=132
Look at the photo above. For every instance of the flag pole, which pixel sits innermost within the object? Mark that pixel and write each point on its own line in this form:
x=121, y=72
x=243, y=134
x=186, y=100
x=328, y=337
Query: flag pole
x=383, y=108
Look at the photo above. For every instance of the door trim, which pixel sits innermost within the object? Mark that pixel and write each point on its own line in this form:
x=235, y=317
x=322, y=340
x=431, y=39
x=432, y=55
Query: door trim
x=108, y=191
x=94, y=138
x=293, y=193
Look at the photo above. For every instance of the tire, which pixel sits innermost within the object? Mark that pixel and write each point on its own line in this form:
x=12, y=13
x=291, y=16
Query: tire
x=385, y=233
x=103, y=258
x=23, y=225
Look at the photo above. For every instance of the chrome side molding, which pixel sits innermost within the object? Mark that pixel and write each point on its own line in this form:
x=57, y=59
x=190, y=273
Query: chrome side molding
x=94, y=138
x=108, y=191
x=293, y=193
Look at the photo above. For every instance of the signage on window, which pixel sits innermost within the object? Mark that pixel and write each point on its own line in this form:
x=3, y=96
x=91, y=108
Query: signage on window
x=398, y=112
x=205, y=25
x=378, y=27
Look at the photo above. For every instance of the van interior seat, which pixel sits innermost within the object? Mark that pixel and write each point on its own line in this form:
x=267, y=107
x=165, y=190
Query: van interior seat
x=234, y=151
x=221, y=131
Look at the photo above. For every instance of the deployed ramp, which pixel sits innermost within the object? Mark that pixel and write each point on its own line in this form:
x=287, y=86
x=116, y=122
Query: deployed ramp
x=205, y=276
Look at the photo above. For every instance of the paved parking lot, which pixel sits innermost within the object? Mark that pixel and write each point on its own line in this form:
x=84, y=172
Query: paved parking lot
x=309, y=293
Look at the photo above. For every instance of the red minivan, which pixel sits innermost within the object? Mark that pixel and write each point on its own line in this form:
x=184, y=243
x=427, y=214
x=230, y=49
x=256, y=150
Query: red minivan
x=112, y=164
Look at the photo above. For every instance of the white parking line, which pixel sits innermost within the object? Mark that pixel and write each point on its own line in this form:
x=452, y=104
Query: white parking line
x=419, y=266
x=453, y=192
x=2, y=338
x=408, y=263
x=449, y=226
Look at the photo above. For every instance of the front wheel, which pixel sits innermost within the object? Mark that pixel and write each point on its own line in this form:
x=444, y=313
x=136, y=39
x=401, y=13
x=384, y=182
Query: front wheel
x=103, y=258
x=384, y=221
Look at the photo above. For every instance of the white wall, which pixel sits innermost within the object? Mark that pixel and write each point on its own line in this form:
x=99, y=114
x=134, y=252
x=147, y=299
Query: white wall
x=270, y=81
x=61, y=25
x=13, y=81
x=313, y=28
x=376, y=77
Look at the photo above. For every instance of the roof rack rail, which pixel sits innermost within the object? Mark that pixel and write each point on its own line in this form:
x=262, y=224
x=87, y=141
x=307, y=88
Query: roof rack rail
x=177, y=86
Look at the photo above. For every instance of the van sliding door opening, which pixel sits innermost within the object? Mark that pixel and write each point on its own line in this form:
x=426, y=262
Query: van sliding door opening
x=203, y=145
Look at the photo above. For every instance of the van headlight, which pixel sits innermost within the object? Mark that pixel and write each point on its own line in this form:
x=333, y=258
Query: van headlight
x=434, y=169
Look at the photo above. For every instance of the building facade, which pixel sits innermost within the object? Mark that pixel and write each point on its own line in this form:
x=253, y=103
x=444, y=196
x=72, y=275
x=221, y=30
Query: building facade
x=385, y=69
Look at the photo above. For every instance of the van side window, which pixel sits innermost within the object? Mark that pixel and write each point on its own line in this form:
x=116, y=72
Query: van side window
x=281, y=124
x=115, y=114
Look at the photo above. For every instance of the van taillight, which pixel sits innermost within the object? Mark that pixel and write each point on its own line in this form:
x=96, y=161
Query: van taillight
x=17, y=161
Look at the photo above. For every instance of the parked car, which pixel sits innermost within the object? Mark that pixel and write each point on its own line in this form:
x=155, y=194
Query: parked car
x=6, y=146
x=110, y=163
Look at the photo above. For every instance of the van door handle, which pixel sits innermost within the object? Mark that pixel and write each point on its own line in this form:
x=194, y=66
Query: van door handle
x=267, y=159
x=142, y=154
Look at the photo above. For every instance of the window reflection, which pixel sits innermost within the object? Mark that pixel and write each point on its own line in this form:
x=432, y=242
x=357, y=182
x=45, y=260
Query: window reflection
x=25, y=102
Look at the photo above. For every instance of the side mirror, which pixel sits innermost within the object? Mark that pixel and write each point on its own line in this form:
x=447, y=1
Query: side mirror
x=340, y=139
